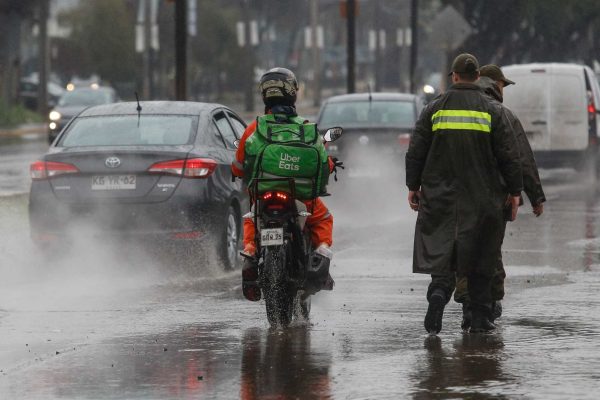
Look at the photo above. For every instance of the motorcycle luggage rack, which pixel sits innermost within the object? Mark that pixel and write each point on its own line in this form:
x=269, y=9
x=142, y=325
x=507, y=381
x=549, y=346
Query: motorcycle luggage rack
x=253, y=184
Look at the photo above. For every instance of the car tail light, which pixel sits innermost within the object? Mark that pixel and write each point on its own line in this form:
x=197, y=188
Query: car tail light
x=49, y=169
x=404, y=139
x=191, y=168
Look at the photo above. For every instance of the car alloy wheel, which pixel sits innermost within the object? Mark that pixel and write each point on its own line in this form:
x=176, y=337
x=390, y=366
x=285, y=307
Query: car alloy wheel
x=232, y=238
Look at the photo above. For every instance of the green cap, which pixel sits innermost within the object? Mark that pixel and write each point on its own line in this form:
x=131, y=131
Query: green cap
x=494, y=72
x=465, y=63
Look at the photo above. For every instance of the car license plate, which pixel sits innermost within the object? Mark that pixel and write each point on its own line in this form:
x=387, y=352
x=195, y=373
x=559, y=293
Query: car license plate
x=113, y=182
x=271, y=237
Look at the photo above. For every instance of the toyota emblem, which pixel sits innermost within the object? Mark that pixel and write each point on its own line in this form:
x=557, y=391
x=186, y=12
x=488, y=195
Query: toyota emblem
x=112, y=162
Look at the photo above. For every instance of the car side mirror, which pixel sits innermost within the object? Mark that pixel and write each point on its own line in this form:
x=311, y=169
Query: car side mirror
x=333, y=134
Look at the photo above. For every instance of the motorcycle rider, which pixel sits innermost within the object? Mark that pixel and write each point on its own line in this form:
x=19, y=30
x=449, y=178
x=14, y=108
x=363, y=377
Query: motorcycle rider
x=278, y=88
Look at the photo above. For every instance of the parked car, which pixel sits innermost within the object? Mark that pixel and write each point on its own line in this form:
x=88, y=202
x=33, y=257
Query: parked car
x=162, y=175
x=375, y=125
x=28, y=92
x=557, y=105
x=73, y=101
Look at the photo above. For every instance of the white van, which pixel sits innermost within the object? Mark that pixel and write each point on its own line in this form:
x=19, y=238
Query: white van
x=556, y=104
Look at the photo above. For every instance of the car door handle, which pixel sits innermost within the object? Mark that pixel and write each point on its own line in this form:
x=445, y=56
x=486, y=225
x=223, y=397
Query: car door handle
x=538, y=122
x=572, y=122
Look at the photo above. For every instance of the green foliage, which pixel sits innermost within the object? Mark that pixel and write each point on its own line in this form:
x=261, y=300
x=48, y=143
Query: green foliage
x=11, y=117
x=103, y=37
x=516, y=31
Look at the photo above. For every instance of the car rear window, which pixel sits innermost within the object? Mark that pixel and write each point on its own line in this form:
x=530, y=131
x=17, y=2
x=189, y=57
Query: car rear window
x=128, y=130
x=85, y=97
x=388, y=113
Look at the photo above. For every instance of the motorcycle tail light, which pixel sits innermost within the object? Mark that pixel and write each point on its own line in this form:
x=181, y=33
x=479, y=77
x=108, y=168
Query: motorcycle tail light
x=275, y=196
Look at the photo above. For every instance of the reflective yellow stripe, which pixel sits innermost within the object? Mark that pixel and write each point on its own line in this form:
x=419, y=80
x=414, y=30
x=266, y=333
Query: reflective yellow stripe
x=462, y=120
x=462, y=113
x=462, y=126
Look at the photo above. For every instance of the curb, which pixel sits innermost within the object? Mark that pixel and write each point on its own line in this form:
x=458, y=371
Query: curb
x=30, y=129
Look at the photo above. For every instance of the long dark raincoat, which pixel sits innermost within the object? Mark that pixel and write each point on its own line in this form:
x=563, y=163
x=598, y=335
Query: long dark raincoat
x=461, y=146
x=532, y=185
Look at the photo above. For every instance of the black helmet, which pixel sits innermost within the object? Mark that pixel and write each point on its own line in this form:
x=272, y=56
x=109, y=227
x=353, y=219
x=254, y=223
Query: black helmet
x=278, y=86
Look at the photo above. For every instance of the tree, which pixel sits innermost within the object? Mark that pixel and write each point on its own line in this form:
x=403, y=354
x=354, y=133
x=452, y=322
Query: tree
x=103, y=40
x=516, y=31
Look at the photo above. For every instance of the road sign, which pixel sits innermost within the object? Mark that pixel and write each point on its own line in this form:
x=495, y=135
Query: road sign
x=344, y=8
x=450, y=29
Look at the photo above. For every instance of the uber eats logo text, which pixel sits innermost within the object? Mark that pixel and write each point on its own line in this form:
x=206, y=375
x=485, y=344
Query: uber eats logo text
x=288, y=162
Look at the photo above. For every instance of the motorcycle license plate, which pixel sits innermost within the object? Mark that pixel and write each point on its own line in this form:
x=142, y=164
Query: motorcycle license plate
x=271, y=237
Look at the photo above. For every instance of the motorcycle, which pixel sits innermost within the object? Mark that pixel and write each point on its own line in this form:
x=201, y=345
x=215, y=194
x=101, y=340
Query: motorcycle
x=289, y=269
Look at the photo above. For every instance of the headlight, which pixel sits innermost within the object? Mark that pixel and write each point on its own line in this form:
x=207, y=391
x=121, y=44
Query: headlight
x=52, y=125
x=54, y=116
x=428, y=89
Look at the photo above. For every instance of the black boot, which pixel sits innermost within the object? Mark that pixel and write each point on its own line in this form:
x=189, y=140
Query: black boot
x=435, y=312
x=467, y=317
x=480, y=322
x=496, y=310
x=249, y=279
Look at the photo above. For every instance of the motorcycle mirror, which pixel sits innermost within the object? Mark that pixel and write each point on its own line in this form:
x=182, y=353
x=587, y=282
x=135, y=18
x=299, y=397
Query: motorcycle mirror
x=333, y=134
x=236, y=143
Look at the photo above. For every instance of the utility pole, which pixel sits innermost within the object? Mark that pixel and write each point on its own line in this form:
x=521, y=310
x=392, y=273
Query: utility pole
x=378, y=48
x=147, y=56
x=250, y=87
x=316, y=52
x=414, y=16
x=351, y=49
x=181, y=49
x=43, y=56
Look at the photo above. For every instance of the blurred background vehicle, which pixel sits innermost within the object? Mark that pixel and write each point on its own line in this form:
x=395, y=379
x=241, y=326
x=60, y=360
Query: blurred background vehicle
x=376, y=126
x=29, y=92
x=162, y=175
x=557, y=105
x=73, y=101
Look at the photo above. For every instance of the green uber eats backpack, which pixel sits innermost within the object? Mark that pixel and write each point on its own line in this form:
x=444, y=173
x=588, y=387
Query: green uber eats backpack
x=286, y=147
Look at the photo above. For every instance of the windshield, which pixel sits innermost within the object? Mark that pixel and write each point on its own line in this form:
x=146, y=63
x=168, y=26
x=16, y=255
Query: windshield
x=85, y=97
x=125, y=130
x=388, y=113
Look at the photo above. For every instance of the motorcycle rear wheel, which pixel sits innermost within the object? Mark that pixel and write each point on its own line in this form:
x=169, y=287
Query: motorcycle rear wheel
x=279, y=300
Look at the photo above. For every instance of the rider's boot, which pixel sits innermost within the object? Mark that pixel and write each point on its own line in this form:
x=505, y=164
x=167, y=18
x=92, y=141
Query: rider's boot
x=250, y=287
x=318, y=268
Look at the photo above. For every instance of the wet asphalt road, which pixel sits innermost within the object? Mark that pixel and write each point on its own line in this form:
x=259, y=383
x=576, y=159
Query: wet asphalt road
x=101, y=321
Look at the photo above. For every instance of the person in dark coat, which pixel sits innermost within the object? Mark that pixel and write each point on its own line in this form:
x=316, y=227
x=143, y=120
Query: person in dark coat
x=492, y=81
x=461, y=162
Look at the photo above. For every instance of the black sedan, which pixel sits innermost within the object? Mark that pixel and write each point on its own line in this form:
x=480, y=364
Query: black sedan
x=74, y=101
x=160, y=175
x=377, y=128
